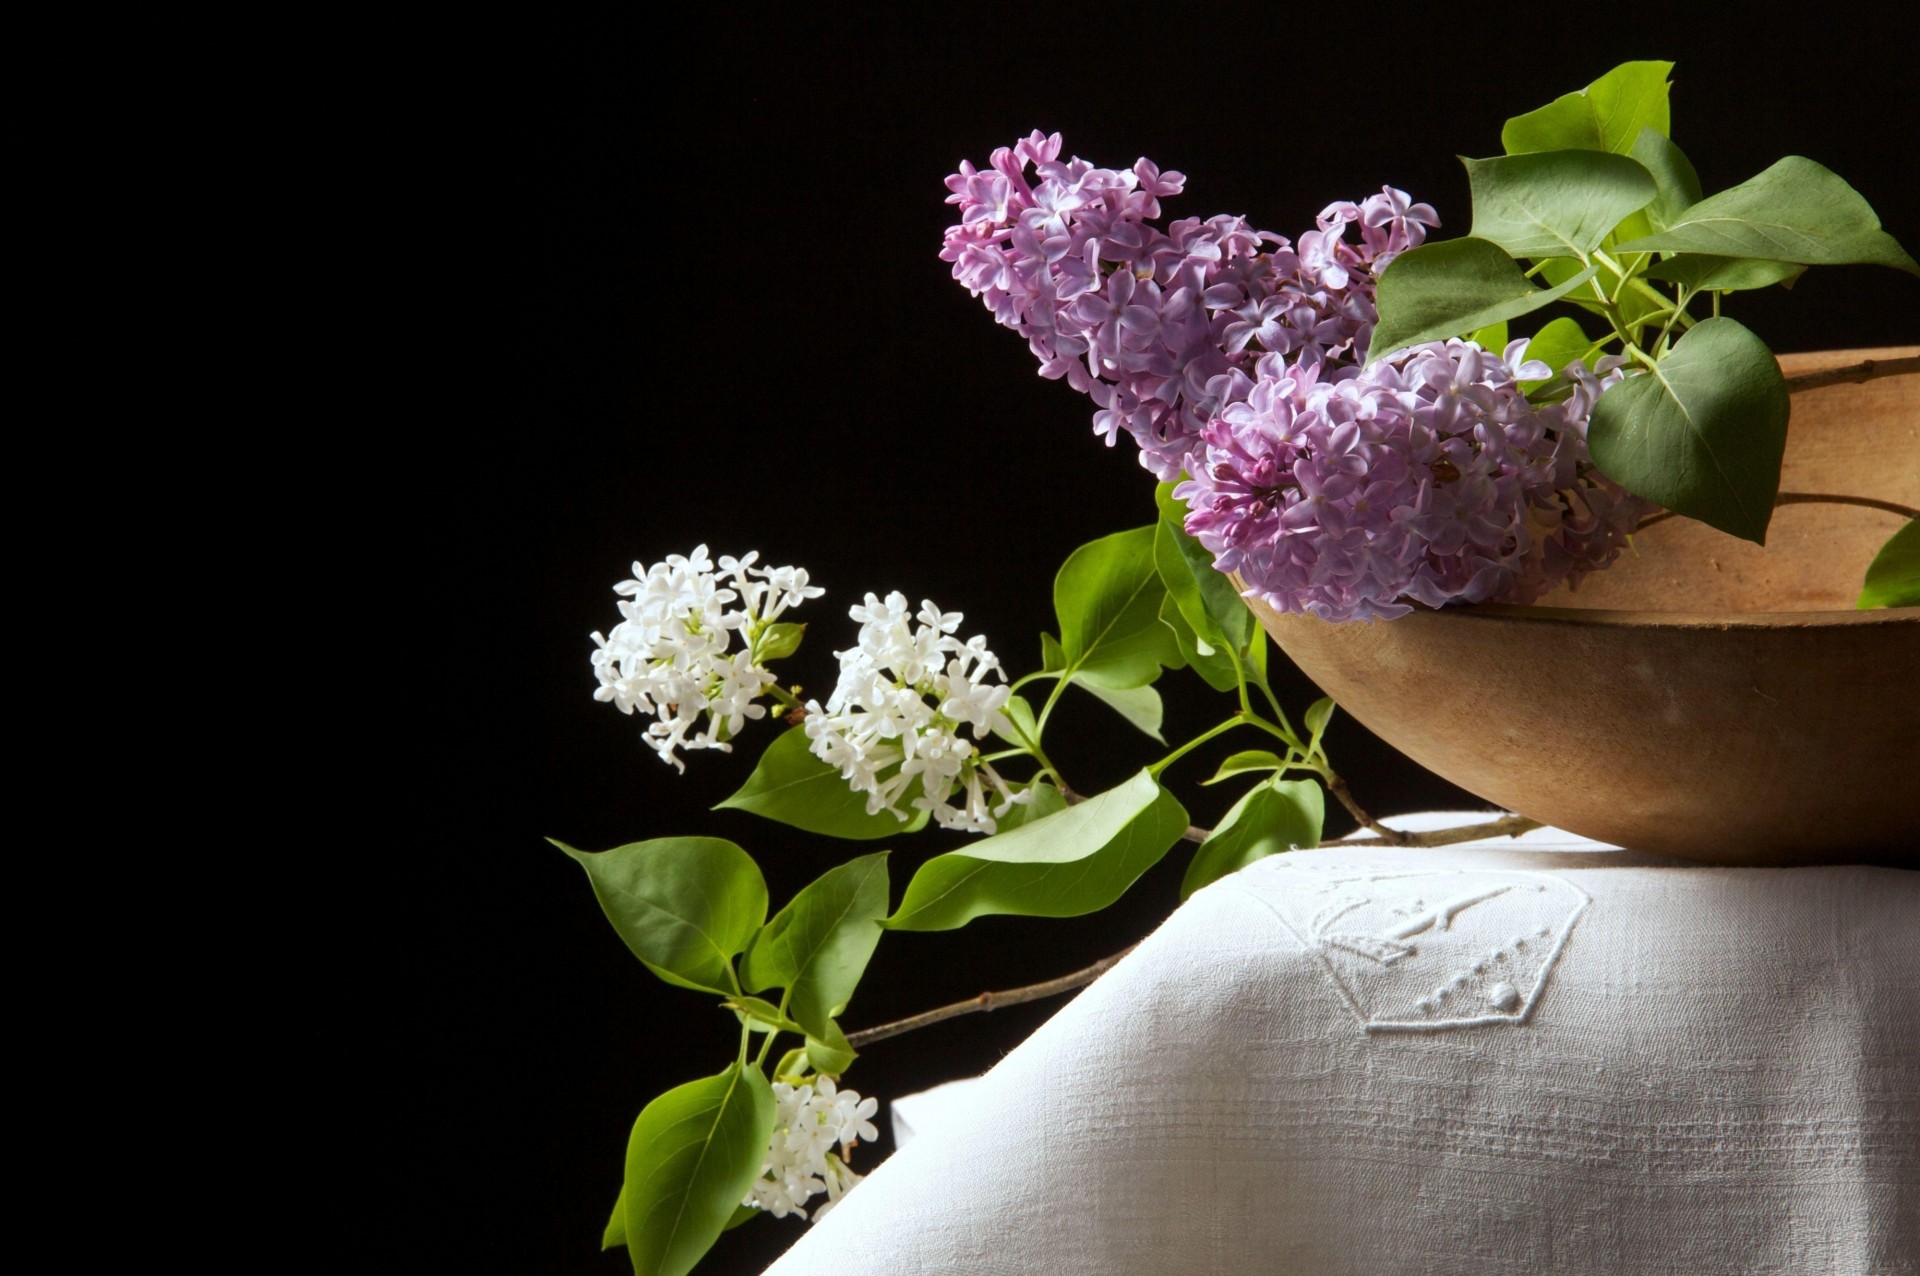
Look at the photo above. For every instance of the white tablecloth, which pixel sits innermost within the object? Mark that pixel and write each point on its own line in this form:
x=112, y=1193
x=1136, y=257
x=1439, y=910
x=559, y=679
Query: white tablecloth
x=1520, y=1057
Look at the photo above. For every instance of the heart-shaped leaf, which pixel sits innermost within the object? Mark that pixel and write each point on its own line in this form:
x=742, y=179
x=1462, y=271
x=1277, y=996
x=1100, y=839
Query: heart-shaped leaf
x=1607, y=115
x=684, y=905
x=1796, y=211
x=1274, y=817
x=1441, y=290
x=1893, y=578
x=1075, y=861
x=794, y=787
x=1555, y=203
x=1107, y=598
x=692, y=1156
x=1702, y=432
x=818, y=946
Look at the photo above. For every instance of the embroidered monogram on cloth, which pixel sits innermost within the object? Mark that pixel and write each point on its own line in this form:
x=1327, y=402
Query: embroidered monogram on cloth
x=1426, y=950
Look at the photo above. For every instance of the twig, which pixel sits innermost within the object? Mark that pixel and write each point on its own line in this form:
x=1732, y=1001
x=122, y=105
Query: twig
x=990, y=1001
x=1505, y=826
x=1338, y=787
x=1865, y=371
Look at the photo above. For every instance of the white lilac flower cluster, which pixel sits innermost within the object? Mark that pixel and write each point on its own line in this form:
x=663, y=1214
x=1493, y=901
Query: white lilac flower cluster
x=905, y=691
x=808, y=1121
x=673, y=656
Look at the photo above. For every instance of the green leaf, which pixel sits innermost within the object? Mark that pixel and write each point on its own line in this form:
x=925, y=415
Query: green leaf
x=818, y=946
x=1274, y=817
x=781, y=639
x=1555, y=203
x=1212, y=606
x=741, y=1213
x=1492, y=337
x=1107, y=598
x=1025, y=728
x=792, y=1064
x=1140, y=706
x=1241, y=763
x=1045, y=801
x=1893, y=580
x=760, y=1015
x=1796, y=211
x=684, y=905
x=693, y=1155
x=1052, y=658
x=615, y=1236
x=1441, y=290
x=830, y=1053
x=793, y=787
x=1074, y=861
x=1607, y=115
x=1677, y=186
x=1257, y=658
x=1318, y=715
x=1207, y=659
x=1557, y=344
x=1702, y=433
x=1704, y=272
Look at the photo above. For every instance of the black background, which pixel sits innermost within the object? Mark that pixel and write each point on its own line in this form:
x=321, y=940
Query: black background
x=672, y=284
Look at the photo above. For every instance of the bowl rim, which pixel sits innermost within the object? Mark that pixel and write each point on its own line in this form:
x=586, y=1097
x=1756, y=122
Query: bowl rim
x=1633, y=619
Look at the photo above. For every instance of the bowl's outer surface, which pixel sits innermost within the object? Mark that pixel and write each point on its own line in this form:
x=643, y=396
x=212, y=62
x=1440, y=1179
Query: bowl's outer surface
x=1702, y=698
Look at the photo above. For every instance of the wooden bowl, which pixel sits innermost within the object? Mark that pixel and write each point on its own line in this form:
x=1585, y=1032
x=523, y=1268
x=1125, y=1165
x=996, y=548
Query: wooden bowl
x=1702, y=697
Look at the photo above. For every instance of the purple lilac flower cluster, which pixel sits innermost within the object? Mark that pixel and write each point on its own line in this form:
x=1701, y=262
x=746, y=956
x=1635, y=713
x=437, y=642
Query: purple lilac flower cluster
x=1233, y=356
x=1161, y=328
x=1429, y=478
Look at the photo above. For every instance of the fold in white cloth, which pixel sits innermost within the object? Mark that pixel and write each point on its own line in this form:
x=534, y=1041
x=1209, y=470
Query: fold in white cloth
x=1519, y=1057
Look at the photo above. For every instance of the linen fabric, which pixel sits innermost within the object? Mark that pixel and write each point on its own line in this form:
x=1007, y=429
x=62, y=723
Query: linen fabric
x=1535, y=1055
